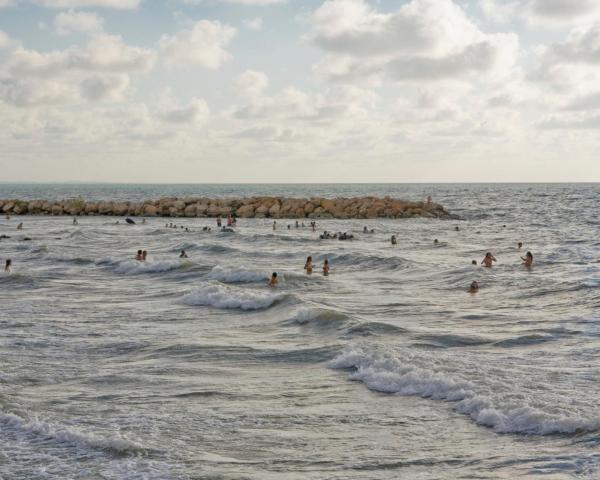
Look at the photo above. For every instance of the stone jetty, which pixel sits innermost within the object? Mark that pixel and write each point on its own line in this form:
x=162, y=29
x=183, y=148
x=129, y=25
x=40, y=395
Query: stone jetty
x=251, y=207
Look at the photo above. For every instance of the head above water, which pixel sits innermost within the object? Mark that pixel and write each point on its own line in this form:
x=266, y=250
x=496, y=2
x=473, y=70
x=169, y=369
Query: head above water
x=473, y=262
x=529, y=255
x=274, y=275
x=474, y=286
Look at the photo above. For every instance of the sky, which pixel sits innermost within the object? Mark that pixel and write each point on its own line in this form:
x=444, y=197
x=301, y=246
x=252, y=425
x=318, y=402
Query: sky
x=229, y=91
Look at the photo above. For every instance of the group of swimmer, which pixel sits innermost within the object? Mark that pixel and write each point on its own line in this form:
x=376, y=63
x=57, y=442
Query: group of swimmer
x=308, y=266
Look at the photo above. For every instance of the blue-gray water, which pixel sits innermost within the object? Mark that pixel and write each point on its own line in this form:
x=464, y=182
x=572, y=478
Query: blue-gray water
x=388, y=368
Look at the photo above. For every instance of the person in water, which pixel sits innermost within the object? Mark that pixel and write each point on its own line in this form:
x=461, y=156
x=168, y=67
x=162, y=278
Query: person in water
x=528, y=259
x=474, y=262
x=20, y=226
x=474, y=288
x=274, y=280
x=488, y=260
x=520, y=245
x=7, y=265
x=75, y=222
x=274, y=225
x=393, y=240
x=326, y=267
x=218, y=221
x=457, y=228
x=139, y=256
x=183, y=254
x=436, y=241
x=144, y=255
x=297, y=224
x=308, y=266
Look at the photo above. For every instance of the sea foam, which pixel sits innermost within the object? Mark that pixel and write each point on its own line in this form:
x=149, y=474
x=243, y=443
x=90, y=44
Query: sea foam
x=491, y=403
x=237, y=275
x=222, y=296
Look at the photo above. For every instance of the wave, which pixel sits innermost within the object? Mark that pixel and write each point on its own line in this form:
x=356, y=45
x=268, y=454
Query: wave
x=491, y=406
x=237, y=275
x=43, y=432
x=321, y=317
x=134, y=267
x=222, y=296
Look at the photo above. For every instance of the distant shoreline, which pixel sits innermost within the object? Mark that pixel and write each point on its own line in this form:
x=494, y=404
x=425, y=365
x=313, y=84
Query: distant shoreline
x=243, y=207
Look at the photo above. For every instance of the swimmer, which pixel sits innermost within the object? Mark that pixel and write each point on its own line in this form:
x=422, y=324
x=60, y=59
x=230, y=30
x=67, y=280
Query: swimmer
x=308, y=266
x=435, y=241
x=429, y=200
x=365, y=229
x=289, y=226
x=297, y=224
x=7, y=266
x=139, y=257
x=75, y=222
x=143, y=221
x=218, y=221
x=527, y=259
x=520, y=245
x=274, y=281
x=20, y=226
x=314, y=226
x=474, y=288
x=144, y=255
x=393, y=240
x=274, y=225
x=488, y=260
x=326, y=267
x=183, y=254
x=457, y=228
x=474, y=262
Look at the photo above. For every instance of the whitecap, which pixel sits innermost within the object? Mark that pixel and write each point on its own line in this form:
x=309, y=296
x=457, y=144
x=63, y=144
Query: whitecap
x=226, y=297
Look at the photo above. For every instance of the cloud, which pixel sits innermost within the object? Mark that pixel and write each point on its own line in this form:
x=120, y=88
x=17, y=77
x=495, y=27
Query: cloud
x=541, y=13
x=73, y=21
x=33, y=92
x=251, y=83
x=109, y=87
x=422, y=40
x=250, y=3
x=254, y=23
x=204, y=44
x=196, y=112
x=5, y=40
x=117, y=4
x=563, y=11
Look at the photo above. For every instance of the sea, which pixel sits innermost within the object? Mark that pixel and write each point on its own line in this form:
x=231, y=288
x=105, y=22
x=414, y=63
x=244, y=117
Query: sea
x=193, y=368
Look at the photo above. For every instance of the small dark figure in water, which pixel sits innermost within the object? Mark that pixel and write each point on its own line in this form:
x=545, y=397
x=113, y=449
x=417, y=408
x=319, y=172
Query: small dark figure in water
x=528, y=259
x=144, y=255
x=474, y=262
x=488, y=260
x=274, y=281
x=365, y=229
x=326, y=267
x=20, y=226
x=457, y=228
x=183, y=254
x=435, y=241
x=289, y=226
x=393, y=240
x=7, y=265
x=474, y=288
x=520, y=245
x=297, y=224
x=218, y=221
x=75, y=222
x=139, y=257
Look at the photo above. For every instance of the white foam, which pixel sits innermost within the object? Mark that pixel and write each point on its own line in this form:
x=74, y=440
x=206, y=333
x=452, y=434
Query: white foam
x=134, y=267
x=237, y=275
x=308, y=315
x=223, y=296
x=495, y=404
x=67, y=435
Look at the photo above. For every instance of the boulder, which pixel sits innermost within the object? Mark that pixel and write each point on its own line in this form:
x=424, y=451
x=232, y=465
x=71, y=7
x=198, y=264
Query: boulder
x=150, y=210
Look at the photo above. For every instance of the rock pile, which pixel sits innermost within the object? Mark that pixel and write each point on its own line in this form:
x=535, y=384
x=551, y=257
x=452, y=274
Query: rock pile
x=252, y=207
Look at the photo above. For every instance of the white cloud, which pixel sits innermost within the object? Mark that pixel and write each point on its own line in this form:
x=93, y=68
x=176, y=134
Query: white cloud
x=258, y=3
x=254, y=23
x=34, y=92
x=204, y=44
x=500, y=11
x=422, y=40
x=104, y=87
x=563, y=10
x=117, y=4
x=251, y=83
x=541, y=13
x=73, y=21
x=5, y=40
x=196, y=112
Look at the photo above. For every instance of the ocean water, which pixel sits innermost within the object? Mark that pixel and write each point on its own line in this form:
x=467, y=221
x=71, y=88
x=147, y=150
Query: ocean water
x=195, y=369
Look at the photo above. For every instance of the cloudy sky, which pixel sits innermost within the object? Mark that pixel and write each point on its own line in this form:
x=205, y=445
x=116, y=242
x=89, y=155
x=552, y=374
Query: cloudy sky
x=299, y=90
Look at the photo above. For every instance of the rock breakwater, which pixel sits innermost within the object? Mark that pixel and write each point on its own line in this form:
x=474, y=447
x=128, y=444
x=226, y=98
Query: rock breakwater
x=250, y=207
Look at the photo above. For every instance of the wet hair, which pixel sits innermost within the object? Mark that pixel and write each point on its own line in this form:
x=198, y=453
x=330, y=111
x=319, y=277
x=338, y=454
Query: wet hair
x=473, y=262
x=529, y=254
x=309, y=259
x=474, y=284
x=435, y=240
x=8, y=262
x=274, y=275
x=326, y=262
x=488, y=254
x=520, y=244
x=139, y=252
